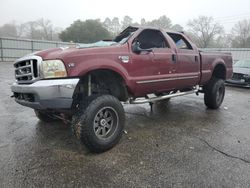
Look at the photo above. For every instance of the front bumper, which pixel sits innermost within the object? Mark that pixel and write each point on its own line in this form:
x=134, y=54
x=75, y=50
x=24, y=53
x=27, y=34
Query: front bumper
x=46, y=94
x=238, y=83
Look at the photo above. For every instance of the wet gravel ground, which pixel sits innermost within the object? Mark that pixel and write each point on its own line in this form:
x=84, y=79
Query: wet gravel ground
x=179, y=144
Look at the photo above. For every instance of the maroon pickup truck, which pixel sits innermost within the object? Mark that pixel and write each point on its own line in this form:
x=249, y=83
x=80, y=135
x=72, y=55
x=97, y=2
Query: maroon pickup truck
x=84, y=85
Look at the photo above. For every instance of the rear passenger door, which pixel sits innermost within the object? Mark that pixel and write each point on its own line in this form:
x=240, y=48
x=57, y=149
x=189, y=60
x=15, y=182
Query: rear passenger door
x=188, y=61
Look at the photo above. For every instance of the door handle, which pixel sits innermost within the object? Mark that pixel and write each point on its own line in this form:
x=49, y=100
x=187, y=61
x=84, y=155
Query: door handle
x=174, y=58
x=196, y=58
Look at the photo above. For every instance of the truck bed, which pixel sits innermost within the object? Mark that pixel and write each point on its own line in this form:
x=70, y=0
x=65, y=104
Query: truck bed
x=208, y=62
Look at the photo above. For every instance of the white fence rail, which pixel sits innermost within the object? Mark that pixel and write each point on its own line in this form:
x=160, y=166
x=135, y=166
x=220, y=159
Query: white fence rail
x=13, y=48
x=237, y=53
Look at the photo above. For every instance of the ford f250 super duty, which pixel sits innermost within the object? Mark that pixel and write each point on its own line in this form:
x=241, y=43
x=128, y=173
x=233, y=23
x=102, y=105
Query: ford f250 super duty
x=84, y=85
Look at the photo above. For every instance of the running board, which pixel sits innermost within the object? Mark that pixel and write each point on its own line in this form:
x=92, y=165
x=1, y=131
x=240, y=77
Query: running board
x=153, y=99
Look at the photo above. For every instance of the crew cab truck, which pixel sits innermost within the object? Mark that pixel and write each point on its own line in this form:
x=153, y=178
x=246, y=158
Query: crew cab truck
x=86, y=84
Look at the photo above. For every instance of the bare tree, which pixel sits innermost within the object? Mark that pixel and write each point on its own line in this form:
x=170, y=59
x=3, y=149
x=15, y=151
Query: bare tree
x=162, y=22
x=112, y=25
x=205, y=31
x=41, y=29
x=127, y=21
x=143, y=22
x=107, y=24
x=56, y=32
x=21, y=30
x=116, y=26
x=30, y=30
x=177, y=27
x=46, y=28
x=240, y=34
x=9, y=30
x=223, y=41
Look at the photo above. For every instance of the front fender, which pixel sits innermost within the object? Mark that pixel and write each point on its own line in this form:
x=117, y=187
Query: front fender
x=85, y=67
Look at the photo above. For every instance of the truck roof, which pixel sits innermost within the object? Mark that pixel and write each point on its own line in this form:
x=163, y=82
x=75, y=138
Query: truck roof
x=151, y=27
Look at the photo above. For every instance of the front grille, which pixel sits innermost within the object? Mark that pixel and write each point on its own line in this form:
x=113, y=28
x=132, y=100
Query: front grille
x=26, y=71
x=237, y=76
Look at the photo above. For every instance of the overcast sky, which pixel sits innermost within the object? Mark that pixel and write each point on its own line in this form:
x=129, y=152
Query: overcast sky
x=63, y=12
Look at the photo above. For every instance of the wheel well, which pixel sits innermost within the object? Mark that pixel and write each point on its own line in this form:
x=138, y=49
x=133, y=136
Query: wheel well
x=219, y=71
x=103, y=81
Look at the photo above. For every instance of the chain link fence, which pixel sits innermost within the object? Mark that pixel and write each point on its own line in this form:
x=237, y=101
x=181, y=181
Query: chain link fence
x=13, y=48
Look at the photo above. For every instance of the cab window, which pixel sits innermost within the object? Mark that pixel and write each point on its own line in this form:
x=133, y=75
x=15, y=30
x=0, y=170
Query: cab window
x=150, y=38
x=180, y=41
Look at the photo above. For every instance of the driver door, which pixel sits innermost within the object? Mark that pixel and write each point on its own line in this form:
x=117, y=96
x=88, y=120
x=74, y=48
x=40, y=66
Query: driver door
x=153, y=64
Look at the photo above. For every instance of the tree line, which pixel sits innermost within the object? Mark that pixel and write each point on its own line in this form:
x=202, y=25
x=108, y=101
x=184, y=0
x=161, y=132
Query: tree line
x=41, y=29
x=203, y=30
x=94, y=30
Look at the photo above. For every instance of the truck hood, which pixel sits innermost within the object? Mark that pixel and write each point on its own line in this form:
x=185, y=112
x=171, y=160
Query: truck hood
x=241, y=70
x=65, y=53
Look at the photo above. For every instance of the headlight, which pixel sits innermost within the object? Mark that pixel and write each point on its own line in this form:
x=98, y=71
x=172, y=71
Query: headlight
x=246, y=77
x=53, y=69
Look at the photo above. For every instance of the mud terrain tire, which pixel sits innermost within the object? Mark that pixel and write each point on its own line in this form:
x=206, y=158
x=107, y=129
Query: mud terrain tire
x=101, y=124
x=214, y=93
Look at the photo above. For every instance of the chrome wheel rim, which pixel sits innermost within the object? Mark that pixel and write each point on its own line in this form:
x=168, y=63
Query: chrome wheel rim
x=105, y=122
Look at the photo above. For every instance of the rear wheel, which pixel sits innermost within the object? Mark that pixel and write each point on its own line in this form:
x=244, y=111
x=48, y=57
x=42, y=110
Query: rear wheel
x=100, y=126
x=214, y=93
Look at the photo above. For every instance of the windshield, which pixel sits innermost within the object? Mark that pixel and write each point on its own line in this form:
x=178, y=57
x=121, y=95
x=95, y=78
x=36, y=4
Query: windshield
x=125, y=35
x=122, y=38
x=242, y=64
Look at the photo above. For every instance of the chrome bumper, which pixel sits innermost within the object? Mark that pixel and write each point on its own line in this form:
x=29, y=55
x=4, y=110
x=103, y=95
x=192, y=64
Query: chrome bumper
x=46, y=94
x=237, y=83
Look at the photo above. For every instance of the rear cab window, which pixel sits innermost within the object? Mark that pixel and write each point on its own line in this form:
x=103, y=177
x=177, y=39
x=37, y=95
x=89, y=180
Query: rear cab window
x=180, y=41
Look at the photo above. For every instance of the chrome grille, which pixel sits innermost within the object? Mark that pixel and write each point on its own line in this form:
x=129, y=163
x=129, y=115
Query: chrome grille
x=26, y=70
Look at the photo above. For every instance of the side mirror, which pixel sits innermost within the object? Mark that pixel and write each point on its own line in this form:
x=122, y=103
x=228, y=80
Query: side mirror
x=136, y=47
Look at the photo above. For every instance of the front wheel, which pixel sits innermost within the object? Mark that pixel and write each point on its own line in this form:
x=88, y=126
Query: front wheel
x=214, y=93
x=101, y=124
